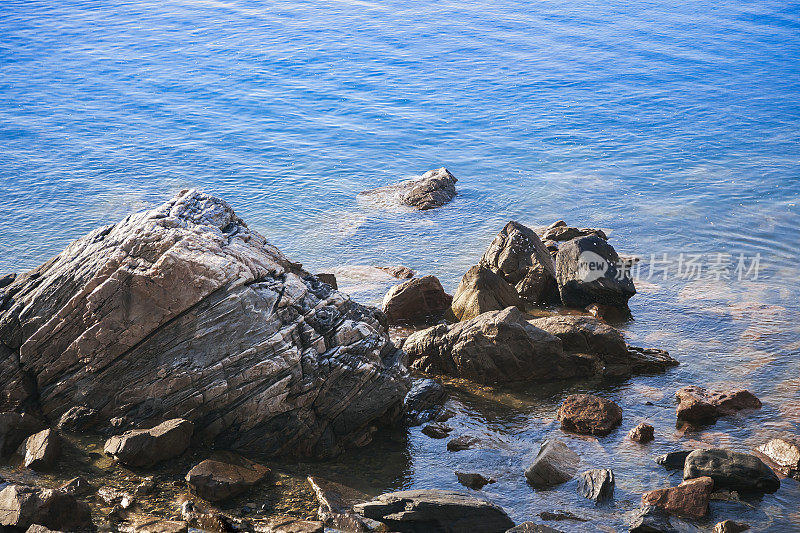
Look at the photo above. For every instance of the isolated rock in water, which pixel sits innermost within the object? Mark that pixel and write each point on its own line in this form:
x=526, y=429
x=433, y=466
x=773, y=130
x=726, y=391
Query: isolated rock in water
x=220, y=479
x=41, y=450
x=641, y=433
x=640, y=361
x=21, y=507
x=146, y=447
x=436, y=511
x=559, y=231
x=698, y=404
x=183, y=311
x=424, y=401
x=784, y=454
x=336, y=503
x=673, y=460
x=500, y=346
x=416, y=301
x=554, y=464
x=78, y=419
x=597, y=484
x=532, y=527
x=473, y=480
x=330, y=279
x=462, y=442
x=15, y=428
x=437, y=430
x=518, y=256
x=731, y=470
x=589, y=415
x=399, y=272
x=689, y=499
x=588, y=272
x=729, y=526
x=433, y=189
x=481, y=291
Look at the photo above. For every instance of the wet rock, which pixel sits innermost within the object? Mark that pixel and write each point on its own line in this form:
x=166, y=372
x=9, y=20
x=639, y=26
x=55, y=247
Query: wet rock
x=147, y=486
x=433, y=189
x=560, y=516
x=115, y=497
x=153, y=525
x=207, y=520
x=641, y=361
x=216, y=480
x=336, y=503
x=689, y=499
x=437, y=430
x=518, y=256
x=698, y=404
x=473, y=481
x=185, y=311
x=436, y=511
x=78, y=487
x=559, y=231
x=22, y=506
x=329, y=279
x=7, y=280
x=499, y=346
x=78, y=419
x=41, y=450
x=729, y=526
x=589, y=271
x=146, y=447
x=36, y=528
x=784, y=454
x=597, y=484
x=673, y=460
x=416, y=301
x=554, y=464
x=642, y=433
x=587, y=414
x=15, y=428
x=481, y=291
x=287, y=524
x=531, y=527
x=731, y=470
x=399, y=272
x=653, y=520
x=425, y=401
x=462, y=442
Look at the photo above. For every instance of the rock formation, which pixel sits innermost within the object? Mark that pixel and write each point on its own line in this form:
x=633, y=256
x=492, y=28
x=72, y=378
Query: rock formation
x=433, y=189
x=731, y=470
x=481, y=291
x=416, y=301
x=698, y=404
x=555, y=464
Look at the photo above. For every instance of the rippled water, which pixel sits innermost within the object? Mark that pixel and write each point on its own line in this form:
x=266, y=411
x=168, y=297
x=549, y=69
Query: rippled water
x=674, y=125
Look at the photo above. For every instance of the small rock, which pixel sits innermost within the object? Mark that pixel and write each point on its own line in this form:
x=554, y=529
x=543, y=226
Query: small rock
x=151, y=524
x=433, y=189
x=336, y=503
x=424, y=401
x=288, y=524
x=673, y=460
x=652, y=520
x=15, y=428
x=78, y=487
x=416, y=301
x=36, y=528
x=216, y=480
x=784, y=454
x=729, y=526
x=698, y=404
x=21, y=507
x=559, y=516
x=330, y=279
x=114, y=497
x=7, y=280
x=481, y=291
x=146, y=447
x=642, y=433
x=589, y=415
x=462, y=442
x=473, y=481
x=41, y=450
x=437, y=430
x=731, y=470
x=206, y=521
x=399, y=272
x=559, y=231
x=531, y=527
x=597, y=484
x=554, y=464
x=78, y=419
x=147, y=486
x=689, y=499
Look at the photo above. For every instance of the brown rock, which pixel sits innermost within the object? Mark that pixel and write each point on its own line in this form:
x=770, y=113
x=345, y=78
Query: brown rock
x=641, y=433
x=689, y=499
x=433, y=189
x=399, y=272
x=417, y=300
x=21, y=507
x=149, y=524
x=336, y=503
x=481, y=291
x=41, y=450
x=729, y=526
x=78, y=487
x=330, y=279
x=288, y=524
x=146, y=447
x=698, y=404
x=589, y=415
x=437, y=430
x=462, y=442
x=473, y=481
x=216, y=480
x=784, y=454
x=15, y=428
x=561, y=232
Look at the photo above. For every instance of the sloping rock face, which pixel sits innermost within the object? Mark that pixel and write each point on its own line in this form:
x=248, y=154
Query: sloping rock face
x=336, y=503
x=481, y=291
x=588, y=271
x=518, y=256
x=183, y=311
x=596, y=484
x=433, y=189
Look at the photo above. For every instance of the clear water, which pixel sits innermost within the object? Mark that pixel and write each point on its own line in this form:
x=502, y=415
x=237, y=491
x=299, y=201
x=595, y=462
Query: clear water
x=675, y=125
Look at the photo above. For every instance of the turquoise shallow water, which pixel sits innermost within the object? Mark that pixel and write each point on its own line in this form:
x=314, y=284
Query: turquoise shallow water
x=674, y=125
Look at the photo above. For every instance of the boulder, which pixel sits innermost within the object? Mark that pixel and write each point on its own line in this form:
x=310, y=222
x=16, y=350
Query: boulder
x=416, y=301
x=116, y=498
x=436, y=511
x=729, y=526
x=532, y=527
x=21, y=507
x=554, y=464
x=424, y=402
x=589, y=271
x=15, y=428
x=146, y=447
x=731, y=470
x=519, y=257
x=642, y=433
x=220, y=479
x=183, y=311
x=587, y=414
x=329, y=279
x=673, y=460
x=336, y=503
x=41, y=450
x=689, y=499
x=784, y=454
x=481, y=291
x=462, y=442
x=499, y=346
x=433, y=189
x=78, y=419
x=597, y=484
x=473, y=480
x=698, y=404
x=437, y=430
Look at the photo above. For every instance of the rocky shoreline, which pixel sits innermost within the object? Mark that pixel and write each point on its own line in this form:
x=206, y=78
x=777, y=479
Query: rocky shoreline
x=148, y=366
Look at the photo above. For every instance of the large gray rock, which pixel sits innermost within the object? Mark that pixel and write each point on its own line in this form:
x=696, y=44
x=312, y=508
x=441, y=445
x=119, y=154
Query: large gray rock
x=597, y=484
x=555, y=464
x=731, y=470
x=416, y=301
x=589, y=271
x=481, y=291
x=146, y=447
x=22, y=506
x=183, y=311
x=421, y=511
x=433, y=189
x=518, y=256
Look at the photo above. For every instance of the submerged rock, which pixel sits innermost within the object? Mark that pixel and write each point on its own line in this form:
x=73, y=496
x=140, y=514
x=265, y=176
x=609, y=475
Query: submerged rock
x=651, y=519
x=597, y=484
x=21, y=507
x=437, y=430
x=398, y=271
x=41, y=450
x=784, y=454
x=554, y=464
x=433, y=189
x=689, y=499
x=532, y=527
x=642, y=433
x=416, y=301
x=518, y=256
x=424, y=402
x=473, y=480
x=731, y=470
x=183, y=311
x=481, y=291
x=673, y=460
x=589, y=415
x=462, y=442
x=432, y=510
x=146, y=447
x=336, y=503
x=698, y=404
x=220, y=479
